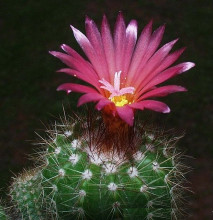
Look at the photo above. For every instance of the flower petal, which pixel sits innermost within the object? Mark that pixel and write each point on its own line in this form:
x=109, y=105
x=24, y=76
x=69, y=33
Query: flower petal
x=73, y=53
x=89, y=97
x=169, y=60
x=119, y=41
x=91, y=80
x=72, y=87
x=140, y=50
x=153, y=45
x=88, y=50
x=162, y=91
x=153, y=63
x=126, y=113
x=108, y=47
x=102, y=103
x=131, y=37
x=151, y=105
x=95, y=39
x=167, y=74
x=77, y=64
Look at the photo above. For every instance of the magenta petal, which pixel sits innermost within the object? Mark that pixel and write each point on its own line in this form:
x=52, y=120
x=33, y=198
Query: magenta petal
x=152, y=47
x=185, y=67
x=108, y=47
x=119, y=41
x=95, y=39
x=88, y=50
x=169, y=60
x=131, y=37
x=71, y=87
x=140, y=50
x=154, y=62
x=92, y=80
x=63, y=57
x=102, y=103
x=72, y=52
x=126, y=113
x=89, y=97
x=151, y=105
x=77, y=64
x=167, y=74
x=163, y=91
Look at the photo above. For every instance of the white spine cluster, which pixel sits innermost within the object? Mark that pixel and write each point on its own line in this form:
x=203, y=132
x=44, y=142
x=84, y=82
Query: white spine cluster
x=150, y=216
x=138, y=156
x=68, y=133
x=61, y=172
x=144, y=188
x=87, y=175
x=150, y=147
x=110, y=168
x=74, y=158
x=112, y=187
x=82, y=193
x=55, y=188
x=133, y=172
x=96, y=159
x=149, y=204
x=57, y=150
x=155, y=166
x=75, y=144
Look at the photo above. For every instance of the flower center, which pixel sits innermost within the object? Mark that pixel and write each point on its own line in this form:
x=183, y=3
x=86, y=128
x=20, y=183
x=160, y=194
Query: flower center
x=117, y=95
x=120, y=100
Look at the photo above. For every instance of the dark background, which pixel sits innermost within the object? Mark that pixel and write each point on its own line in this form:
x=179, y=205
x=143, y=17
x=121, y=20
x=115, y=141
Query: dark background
x=29, y=28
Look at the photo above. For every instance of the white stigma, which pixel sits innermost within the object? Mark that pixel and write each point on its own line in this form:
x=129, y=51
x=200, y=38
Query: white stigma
x=87, y=175
x=117, y=80
x=74, y=158
x=133, y=172
x=115, y=90
x=112, y=187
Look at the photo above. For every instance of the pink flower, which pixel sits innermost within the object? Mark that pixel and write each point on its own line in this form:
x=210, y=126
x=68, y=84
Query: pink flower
x=123, y=71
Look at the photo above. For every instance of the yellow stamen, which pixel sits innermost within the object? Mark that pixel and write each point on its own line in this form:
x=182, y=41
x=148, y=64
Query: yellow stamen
x=120, y=100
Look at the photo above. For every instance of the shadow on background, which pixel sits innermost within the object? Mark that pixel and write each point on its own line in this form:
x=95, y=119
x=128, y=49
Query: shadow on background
x=29, y=29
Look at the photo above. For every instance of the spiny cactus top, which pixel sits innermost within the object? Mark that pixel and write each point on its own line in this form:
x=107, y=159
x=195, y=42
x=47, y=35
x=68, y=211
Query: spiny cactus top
x=123, y=71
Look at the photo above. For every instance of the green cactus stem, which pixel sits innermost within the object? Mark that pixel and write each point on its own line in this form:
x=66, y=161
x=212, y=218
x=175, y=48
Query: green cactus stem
x=81, y=182
x=27, y=196
x=3, y=214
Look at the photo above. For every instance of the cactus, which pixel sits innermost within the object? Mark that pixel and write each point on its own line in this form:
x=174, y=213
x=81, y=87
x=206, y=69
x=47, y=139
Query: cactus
x=26, y=195
x=81, y=182
x=76, y=178
x=109, y=167
x=3, y=214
